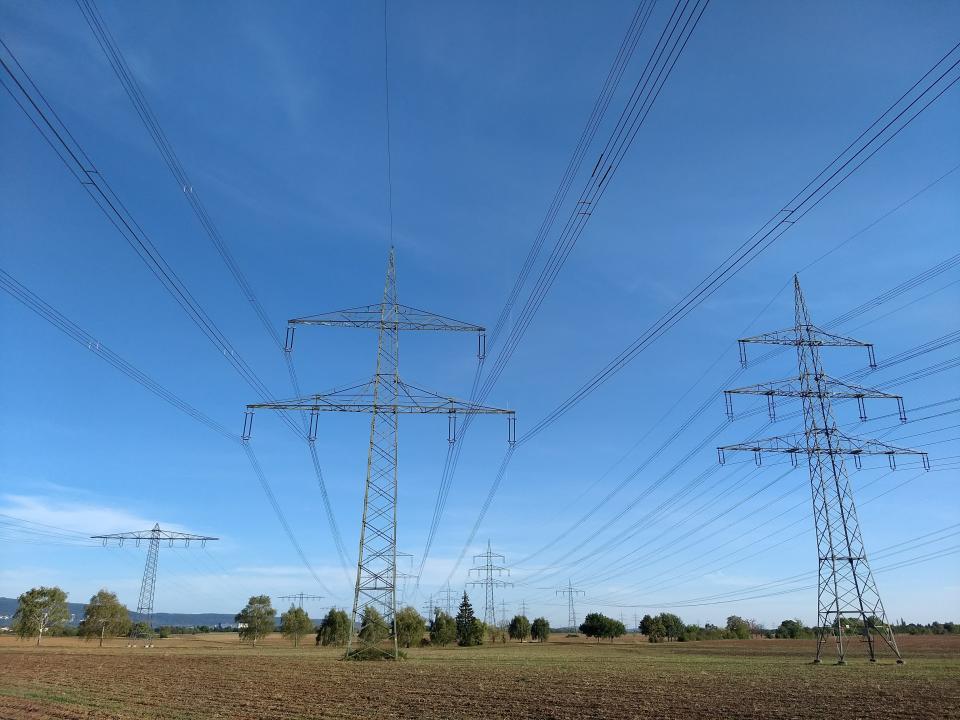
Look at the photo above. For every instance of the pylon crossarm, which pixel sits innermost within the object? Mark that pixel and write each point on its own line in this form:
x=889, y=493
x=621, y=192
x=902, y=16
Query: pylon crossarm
x=411, y=400
x=834, y=443
x=151, y=534
x=827, y=387
x=369, y=316
x=806, y=335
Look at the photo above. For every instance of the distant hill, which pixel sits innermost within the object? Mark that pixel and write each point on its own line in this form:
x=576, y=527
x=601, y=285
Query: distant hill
x=8, y=606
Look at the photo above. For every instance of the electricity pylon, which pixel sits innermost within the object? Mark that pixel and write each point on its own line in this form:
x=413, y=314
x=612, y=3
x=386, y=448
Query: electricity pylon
x=449, y=598
x=429, y=607
x=489, y=575
x=570, y=591
x=846, y=585
x=149, y=583
x=300, y=597
x=385, y=397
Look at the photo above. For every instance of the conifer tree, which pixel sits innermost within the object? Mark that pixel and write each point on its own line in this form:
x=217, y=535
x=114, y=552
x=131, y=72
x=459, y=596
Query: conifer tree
x=469, y=629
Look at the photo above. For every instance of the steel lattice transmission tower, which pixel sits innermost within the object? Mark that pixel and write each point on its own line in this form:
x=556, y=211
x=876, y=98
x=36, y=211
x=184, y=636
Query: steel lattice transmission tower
x=571, y=592
x=385, y=397
x=846, y=586
x=154, y=536
x=489, y=573
x=449, y=599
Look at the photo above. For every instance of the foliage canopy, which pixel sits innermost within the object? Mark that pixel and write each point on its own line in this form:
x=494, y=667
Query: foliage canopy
x=540, y=630
x=40, y=610
x=105, y=615
x=256, y=620
x=519, y=628
x=334, y=628
x=294, y=624
x=410, y=627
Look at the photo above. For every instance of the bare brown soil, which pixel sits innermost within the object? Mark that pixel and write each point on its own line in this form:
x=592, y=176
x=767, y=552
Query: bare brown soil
x=212, y=676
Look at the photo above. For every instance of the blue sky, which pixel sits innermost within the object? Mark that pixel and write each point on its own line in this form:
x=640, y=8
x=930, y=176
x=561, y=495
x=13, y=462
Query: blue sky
x=278, y=115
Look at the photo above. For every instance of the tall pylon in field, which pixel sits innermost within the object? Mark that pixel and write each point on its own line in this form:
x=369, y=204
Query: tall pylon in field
x=847, y=597
x=148, y=585
x=385, y=396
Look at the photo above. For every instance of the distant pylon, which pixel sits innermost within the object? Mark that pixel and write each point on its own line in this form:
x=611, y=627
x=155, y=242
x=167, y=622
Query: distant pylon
x=429, y=608
x=503, y=612
x=846, y=586
x=300, y=597
x=489, y=574
x=449, y=598
x=154, y=536
x=385, y=397
x=570, y=591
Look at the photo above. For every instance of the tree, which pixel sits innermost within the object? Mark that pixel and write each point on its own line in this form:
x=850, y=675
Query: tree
x=519, y=628
x=540, y=630
x=792, y=629
x=656, y=632
x=334, y=628
x=295, y=623
x=256, y=620
x=613, y=629
x=40, y=610
x=672, y=625
x=738, y=628
x=470, y=631
x=104, y=614
x=646, y=623
x=443, y=629
x=410, y=627
x=592, y=625
x=373, y=628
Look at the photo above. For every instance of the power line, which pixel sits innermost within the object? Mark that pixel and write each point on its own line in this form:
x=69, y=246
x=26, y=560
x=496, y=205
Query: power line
x=81, y=336
x=891, y=122
x=134, y=92
x=610, y=86
x=657, y=512
x=823, y=185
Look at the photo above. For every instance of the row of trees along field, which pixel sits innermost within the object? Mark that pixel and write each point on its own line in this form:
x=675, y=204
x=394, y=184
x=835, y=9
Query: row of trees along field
x=465, y=629
x=44, y=611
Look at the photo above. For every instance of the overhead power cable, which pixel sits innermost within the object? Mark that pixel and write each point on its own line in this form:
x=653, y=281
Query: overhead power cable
x=927, y=90
x=657, y=513
x=903, y=287
x=46, y=311
x=942, y=76
x=610, y=86
x=900, y=289
x=44, y=118
x=660, y=64
x=131, y=86
x=909, y=545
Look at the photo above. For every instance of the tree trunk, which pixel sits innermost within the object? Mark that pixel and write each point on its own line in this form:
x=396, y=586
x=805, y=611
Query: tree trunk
x=102, y=629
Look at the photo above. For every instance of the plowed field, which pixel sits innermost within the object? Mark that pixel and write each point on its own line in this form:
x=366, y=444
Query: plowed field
x=213, y=677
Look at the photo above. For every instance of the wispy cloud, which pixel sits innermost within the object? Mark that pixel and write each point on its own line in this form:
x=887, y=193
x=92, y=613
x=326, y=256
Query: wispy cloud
x=63, y=511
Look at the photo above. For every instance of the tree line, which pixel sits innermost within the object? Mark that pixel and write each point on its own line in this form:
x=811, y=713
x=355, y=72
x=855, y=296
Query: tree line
x=43, y=611
x=412, y=629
